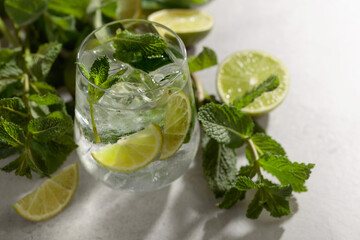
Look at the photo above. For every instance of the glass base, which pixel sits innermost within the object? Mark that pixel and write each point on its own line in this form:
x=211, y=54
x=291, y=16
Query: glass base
x=156, y=175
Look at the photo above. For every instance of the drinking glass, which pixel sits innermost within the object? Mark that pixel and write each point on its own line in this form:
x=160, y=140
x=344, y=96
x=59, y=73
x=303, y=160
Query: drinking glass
x=160, y=98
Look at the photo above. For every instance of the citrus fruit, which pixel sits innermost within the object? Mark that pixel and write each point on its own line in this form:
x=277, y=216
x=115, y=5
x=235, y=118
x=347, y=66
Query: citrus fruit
x=51, y=197
x=190, y=25
x=177, y=124
x=244, y=70
x=132, y=152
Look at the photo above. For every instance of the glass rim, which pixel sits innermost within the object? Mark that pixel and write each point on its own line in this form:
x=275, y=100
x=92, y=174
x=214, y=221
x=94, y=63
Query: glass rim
x=181, y=43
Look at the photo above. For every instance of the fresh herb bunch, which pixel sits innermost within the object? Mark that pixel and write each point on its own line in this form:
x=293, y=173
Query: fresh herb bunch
x=34, y=122
x=227, y=128
x=41, y=37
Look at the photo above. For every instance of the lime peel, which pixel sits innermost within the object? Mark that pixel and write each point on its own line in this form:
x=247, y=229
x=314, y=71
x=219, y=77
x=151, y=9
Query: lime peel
x=177, y=124
x=190, y=25
x=244, y=70
x=51, y=197
x=133, y=152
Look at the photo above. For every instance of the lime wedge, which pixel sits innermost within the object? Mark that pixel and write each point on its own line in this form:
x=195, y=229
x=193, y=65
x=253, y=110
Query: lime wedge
x=244, y=70
x=177, y=124
x=190, y=25
x=51, y=197
x=131, y=152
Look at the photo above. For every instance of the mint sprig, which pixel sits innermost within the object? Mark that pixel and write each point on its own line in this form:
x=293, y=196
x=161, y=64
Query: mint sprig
x=35, y=125
x=99, y=76
x=142, y=51
x=229, y=128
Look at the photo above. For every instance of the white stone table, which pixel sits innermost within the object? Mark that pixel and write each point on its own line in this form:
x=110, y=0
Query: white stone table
x=319, y=122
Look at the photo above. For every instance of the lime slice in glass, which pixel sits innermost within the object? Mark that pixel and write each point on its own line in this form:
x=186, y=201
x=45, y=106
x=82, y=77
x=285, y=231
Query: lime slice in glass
x=190, y=25
x=51, y=197
x=244, y=70
x=177, y=124
x=131, y=152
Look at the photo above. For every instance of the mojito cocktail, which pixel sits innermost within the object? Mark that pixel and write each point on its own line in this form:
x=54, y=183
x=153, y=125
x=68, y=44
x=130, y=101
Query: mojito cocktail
x=135, y=117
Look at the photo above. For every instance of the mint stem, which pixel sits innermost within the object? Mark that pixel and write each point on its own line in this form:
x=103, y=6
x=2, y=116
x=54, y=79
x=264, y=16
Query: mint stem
x=93, y=121
x=8, y=35
x=256, y=157
x=26, y=91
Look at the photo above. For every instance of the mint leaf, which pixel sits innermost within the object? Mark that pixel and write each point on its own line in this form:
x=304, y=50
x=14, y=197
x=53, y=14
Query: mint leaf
x=99, y=71
x=249, y=155
x=23, y=12
x=6, y=55
x=255, y=207
x=11, y=133
x=83, y=70
x=258, y=128
x=110, y=8
x=245, y=183
x=54, y=152
x=10, y=88
x=66, y=23
x=273, y=198
x=47, y=128
x=219, y=166
x=264, y=144
x=46, y=99
x=268, y=85
x=287, y=172
x=226, y=124
x=20, y=165
x=207, y=58
x=231, y=197
x=13, y=110
x=6, y=150
x=40, y=63
x=10, y=70
x=43, y=88
x=238, y=189
x=111, y=81
x=247, y=171
x=76, y=8
x=142, y=51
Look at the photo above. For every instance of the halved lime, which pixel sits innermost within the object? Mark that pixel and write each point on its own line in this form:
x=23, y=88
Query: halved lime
x=244, y=70
x=131, y=152
x=190, y=25
x=177, y=124
x=51, y=197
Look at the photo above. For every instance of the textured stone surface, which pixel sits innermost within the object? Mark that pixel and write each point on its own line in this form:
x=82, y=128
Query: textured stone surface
x=318, y=122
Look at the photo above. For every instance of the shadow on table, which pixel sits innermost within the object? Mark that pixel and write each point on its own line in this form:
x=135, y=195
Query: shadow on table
x=135, y=213
x=266, y=227
x=96, y=212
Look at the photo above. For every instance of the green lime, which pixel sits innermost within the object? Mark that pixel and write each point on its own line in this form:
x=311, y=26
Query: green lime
x=190, y=25
x=244, y=70
x=177, y=124
x=51, y=197
x=132, y=152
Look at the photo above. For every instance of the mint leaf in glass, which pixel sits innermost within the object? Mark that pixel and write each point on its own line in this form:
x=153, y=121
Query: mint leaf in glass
x=142, y=51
